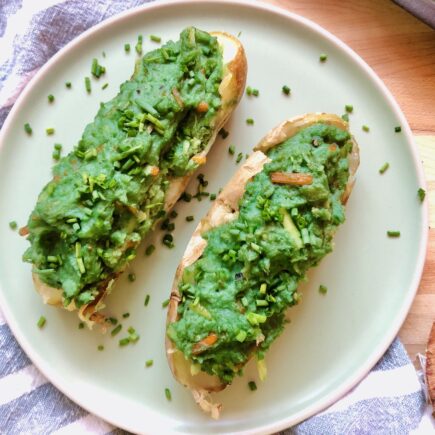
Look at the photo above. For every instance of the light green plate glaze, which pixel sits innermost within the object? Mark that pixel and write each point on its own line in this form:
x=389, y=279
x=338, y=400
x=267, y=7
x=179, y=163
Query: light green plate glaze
x=332, y=340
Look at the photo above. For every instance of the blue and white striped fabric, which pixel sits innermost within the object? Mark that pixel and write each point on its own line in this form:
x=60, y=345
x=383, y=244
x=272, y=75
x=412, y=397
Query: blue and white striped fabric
x=389, y=400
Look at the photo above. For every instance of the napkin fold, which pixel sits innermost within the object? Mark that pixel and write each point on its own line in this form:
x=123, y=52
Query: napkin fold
x=389, y=400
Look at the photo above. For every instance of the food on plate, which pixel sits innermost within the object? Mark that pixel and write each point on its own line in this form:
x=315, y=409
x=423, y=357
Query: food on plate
x=273, y=221
x=130, y=167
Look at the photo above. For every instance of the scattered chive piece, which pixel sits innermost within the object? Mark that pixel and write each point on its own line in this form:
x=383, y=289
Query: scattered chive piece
x=49, y=131
x=323, y=57
x=398, y=129
x=88, y=85
x=126, y=315
x=127, y=48
x=104, y=86
x=131, y=277
x=323, y=289
x=255, y=92
x=384, y=167
x=186, y=197
x=100, y=347
x=147, y=300
x=421, y=194
x=165, y=303
x=155, y=38
x=345, y=117
x=41, y=322
x=173, y=214
x=68, y=85
x=250, y=121
x=112, y=320
x=348, y=108
x=13, y=225
x=97, y=70
x=57, y=146
x=212, y=196
x=81, y=325
x=124, y=341
x=168, y=240
x=149, y=250
x=27, y=128
x=393, y=233
x=138, y=46
x=223, y=133
x=103, y=54
x=239, y=34
x=149, y=363
x=249, y=91
x=286, y=90
x=366, y=128
x=252, y=385
x=232, y=149
x=168, y=394
x=116, y=330
x=239, y=157
x=189, y=218
x=50, y=98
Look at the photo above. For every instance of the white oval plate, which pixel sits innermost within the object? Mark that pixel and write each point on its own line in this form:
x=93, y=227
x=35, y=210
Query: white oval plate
x=333, y=340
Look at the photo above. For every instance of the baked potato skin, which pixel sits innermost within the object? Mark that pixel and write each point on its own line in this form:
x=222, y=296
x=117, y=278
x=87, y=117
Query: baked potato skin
x=225, y=209
x=231, y=90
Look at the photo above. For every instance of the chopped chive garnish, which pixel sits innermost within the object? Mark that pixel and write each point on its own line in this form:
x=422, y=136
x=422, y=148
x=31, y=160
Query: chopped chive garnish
x=250, y=121
x=348, y=108
x=100, y=347
x=255, y=92
x=68, y=85
x=421, y=194
x=131, y=330
x=345, y=117
x=116, y=330
x=88, y=85
x=81, y=325
x=27, y=128
x=127, y=48
x=112, y=320
x=212, y=196
x=189, y=218
x=239, y=157
x=366, y=128
x=131, y=277
x=149, y=250
x=286, y=90
x=186, y=197
x=147, y=300
x=168, y=394
x=126, y=315
x=138, y=46
x=155, y=38
x=165, y=303
x=149, y=363
x=124, y=341
x=41, y=322
x=384, y=167
x=50, y=98
x=393, y=233
x=398, y=129
x=323, y=57
x=173, y=214
x=223, y=133
x=249, y=91
x=104, y=86
x=13, y=225
x=252, y=385
x=97, y=70
x=57, y=146
x=323, y=289
x=231, y=149
x=49, y=131
x=103, y=54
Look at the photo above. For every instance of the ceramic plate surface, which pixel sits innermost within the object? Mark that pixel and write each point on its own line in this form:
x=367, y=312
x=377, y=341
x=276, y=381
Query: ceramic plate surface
x=332, y=340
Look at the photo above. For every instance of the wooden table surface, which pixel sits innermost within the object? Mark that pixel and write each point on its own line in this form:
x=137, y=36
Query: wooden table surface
x=401, y=50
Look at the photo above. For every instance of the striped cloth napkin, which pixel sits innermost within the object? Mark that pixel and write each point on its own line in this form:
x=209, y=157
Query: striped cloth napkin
x=389, y=400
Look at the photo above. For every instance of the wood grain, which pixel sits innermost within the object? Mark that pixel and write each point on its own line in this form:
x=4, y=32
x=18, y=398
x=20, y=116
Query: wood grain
x=401, y=50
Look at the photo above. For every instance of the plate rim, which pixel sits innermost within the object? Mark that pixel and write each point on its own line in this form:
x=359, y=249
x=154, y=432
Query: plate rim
x=400, y=316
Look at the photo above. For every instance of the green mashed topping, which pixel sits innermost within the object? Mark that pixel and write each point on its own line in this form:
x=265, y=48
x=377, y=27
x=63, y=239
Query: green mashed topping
x=236, y=294
x=108, y=193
